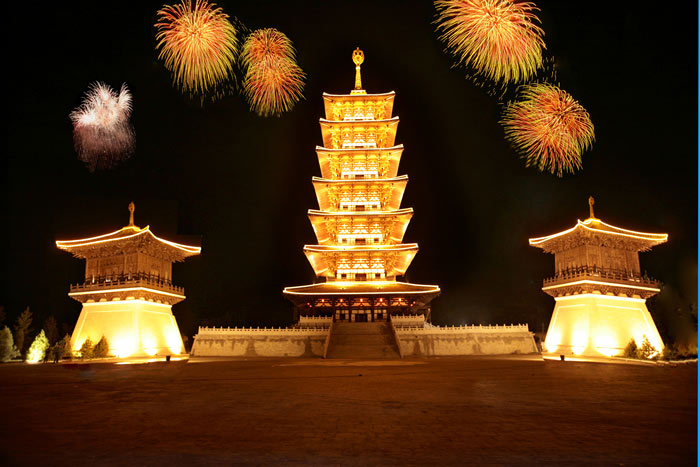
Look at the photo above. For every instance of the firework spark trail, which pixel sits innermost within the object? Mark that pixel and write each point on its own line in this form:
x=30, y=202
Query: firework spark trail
x=549, y=128
x=102, y=133
x=497, y=38
x=273, y=81
x=197, y=44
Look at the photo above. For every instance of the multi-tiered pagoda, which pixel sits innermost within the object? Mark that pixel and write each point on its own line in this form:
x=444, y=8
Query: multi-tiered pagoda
x=360, y=223
x=599, y=290
x=128, y=291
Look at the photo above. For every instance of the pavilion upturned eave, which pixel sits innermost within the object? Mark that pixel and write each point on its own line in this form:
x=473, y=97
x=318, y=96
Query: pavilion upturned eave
x=125, y=239
x=387, y=99
x=633, y=240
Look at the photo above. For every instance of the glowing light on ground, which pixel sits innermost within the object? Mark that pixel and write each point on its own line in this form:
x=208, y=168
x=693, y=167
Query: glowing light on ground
x=273, y=81
x=197, y=44
x=102, y=134
x=497, y=38
x=549, y=128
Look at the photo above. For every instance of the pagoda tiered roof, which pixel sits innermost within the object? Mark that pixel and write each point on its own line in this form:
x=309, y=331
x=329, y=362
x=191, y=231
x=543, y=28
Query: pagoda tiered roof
x=384, y=160
x=129, y=238
x=595, y=231
x=395, y=259
x=392, y=224
x=359, y=133
x=358, y=106
x=386, y=191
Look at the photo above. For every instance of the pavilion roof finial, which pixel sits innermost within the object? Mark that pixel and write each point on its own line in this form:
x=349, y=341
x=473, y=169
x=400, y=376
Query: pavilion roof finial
x=132, y=208
x=591, y=202
x=358, y=57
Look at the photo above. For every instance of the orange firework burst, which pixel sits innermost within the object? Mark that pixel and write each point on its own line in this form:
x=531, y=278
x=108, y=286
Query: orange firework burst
x=497, y=38
x=197, y=43
x=549, y=128
x=273, y=81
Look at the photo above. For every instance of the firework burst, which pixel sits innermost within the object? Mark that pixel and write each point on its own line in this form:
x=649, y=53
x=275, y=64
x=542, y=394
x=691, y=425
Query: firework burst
x=273, y=81
x=197, y=44
x=102, y=133
x=497, y=38
x=549, y=128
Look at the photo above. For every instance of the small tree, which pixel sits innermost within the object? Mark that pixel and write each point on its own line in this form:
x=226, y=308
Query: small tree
x=51, y=329
x=8, y=351
x=646, y=350
x=24, y=320
x=101, y=349
x=37, y=351
x=630, y=350
x=87, y=349
x=64, y=348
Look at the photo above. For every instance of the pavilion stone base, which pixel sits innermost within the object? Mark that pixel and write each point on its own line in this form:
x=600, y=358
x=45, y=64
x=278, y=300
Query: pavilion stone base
x=598, y=325
x=417, y=338
x=133, y=328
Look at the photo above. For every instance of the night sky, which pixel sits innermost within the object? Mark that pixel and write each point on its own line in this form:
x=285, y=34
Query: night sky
x=241, y=184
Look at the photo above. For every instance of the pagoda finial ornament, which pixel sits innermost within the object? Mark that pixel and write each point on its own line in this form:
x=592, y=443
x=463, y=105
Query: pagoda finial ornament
x=591, y=202
x=358, y=57
x=132, y=208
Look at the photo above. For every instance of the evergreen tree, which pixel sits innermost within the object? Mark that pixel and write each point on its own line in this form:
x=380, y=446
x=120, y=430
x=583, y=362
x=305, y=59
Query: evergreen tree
x=37, y=351
x=631, y=350
x=646, y=350
x=22, y=329
x=63, y=348
x=51, y=329
x=101, y=349
x=8, y=351
x=87, y=349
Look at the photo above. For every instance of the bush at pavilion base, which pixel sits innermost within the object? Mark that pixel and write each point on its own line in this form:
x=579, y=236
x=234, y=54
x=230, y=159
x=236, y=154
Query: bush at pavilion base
x=87, y=349
x=37, y=351
x=101, y=349
x=8, y=351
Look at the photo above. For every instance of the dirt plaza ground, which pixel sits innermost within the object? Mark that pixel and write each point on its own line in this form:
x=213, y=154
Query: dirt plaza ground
x=456, y=411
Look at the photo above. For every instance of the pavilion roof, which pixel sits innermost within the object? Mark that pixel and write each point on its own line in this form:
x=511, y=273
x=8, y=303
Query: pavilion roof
x=593, y=228
x=127, y=238
x=362, y=288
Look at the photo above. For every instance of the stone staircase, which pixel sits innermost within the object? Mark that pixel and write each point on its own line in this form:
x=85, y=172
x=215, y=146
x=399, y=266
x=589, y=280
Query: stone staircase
x=362, y=340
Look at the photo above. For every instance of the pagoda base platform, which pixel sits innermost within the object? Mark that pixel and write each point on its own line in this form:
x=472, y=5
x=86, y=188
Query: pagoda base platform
x=599, y=325
x=133, y=328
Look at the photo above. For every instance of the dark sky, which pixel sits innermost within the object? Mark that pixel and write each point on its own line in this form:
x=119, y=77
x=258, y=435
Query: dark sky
x=241, y=184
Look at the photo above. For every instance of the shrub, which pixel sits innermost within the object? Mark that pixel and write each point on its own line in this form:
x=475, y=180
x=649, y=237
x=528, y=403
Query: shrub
x=37, y=351
x=646, y=350
x=8, y=351
x=101, y=349
x=87, y=349
x=63, y=347
x=630, y=350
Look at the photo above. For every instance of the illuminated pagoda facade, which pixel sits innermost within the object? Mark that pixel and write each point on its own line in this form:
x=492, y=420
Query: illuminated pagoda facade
x=599, y=290
x=128, y=291
x=360, y=224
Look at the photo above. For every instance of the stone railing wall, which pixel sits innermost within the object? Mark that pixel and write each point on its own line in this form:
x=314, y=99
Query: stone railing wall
x=408, y=320
x=431, y=340
x=259, y=342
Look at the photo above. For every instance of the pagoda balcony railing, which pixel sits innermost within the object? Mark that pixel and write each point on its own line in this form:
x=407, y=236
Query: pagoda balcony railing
x=595, y=272
x=127, y=280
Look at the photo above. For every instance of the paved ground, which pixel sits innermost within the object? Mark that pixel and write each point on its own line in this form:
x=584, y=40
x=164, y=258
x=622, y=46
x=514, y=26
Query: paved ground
x=291, y=411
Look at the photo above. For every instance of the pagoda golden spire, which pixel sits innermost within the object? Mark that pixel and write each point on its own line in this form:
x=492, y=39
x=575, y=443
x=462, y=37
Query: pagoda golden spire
x=132, y=208
x=358, y=57
x=591, y=202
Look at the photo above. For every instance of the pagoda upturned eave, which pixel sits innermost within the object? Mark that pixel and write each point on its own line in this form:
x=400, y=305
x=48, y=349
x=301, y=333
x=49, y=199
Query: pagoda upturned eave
x=389, y=137
x=397, y=222
x=578, y=234
x=323, y=258
x=388, y=157
x=385, y=99
x=123, y=238
x=391, y=189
